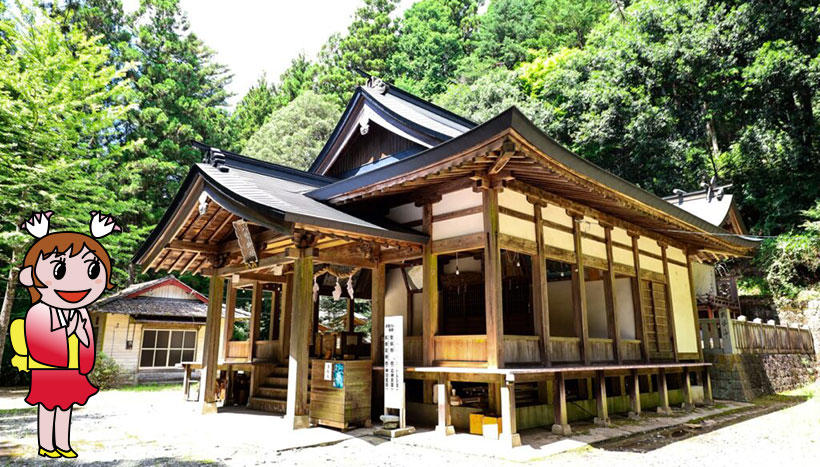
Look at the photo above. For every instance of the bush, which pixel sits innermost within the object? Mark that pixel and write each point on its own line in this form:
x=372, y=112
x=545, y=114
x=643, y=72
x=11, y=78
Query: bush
x=107, y=373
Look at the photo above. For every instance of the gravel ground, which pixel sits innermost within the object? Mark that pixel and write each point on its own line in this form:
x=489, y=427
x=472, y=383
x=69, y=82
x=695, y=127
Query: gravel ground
x=158, y=428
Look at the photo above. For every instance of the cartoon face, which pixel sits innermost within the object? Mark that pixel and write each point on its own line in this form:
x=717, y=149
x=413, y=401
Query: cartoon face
x=71, y=280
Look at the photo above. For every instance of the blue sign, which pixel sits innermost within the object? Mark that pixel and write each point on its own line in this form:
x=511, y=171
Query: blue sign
x=338, y=375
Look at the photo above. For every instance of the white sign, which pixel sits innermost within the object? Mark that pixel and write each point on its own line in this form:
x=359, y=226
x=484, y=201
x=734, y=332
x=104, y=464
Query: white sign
x=328, y=371
x=393, y=362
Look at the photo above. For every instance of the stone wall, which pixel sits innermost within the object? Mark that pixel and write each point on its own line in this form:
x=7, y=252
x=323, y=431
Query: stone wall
x=743, y=377
x=806, y=313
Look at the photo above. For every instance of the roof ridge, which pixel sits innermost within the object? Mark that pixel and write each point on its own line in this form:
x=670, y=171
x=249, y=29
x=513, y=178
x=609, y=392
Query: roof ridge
x=253, y=161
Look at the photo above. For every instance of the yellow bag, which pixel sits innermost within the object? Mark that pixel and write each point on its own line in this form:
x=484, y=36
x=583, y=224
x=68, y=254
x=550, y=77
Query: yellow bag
x=18, y=343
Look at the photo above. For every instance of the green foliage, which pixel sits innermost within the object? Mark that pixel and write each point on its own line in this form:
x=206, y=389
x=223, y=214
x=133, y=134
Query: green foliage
x=367, y=46
x=107, y=374
x=434, y=36
x=294, y=134
x=299, y=77
x=251, y=112
x=791, y=261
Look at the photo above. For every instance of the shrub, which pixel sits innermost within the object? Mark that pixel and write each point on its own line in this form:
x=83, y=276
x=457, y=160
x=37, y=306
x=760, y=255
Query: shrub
x=107, y=373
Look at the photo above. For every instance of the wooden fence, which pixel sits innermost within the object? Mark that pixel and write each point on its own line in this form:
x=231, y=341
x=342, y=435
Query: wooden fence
x=727, y=335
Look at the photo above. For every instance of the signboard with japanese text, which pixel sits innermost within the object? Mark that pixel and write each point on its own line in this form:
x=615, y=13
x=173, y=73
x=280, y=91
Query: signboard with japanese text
x=393, y=362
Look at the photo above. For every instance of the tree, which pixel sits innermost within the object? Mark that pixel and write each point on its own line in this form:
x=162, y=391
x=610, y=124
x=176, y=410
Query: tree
x=58, y=97
x=294, y=134
x=300, y=76
x=256, y=105
x=367, y=46
x=435, y=35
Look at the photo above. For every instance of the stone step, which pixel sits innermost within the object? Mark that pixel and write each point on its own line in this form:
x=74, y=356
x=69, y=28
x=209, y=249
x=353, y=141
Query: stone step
x=267, y=405
x=272, y=392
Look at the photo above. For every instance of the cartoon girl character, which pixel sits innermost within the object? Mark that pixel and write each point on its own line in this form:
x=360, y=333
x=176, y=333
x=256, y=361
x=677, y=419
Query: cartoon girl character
x=64, y=272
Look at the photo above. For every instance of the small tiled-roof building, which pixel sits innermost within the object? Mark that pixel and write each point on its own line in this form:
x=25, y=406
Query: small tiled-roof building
x=150, y=327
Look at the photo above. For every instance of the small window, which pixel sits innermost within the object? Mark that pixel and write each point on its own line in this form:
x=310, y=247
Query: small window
x=167, y=348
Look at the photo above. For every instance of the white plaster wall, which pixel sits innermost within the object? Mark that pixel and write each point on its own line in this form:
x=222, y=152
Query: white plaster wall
x=558, y=239
x=593, y=248
x=623, y=256
x=458, y=226
x=648, y=244
x=456, y=201
x=651, y=264
x=405, y=213
x=465, y=263
x=515, y=201
x=555, y=214
x=169, y=291
x=516, y=227
x=683, y=308
x=624, y=307
x=596, y=309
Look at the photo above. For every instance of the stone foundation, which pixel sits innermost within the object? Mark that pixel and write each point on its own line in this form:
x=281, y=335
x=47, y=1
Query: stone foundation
x=743, y=377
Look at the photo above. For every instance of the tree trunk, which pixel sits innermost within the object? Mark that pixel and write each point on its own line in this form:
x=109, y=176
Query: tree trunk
x=8, y=301
x=710, y=131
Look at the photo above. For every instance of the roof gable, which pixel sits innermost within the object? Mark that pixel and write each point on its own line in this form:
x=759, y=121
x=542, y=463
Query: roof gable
x=163, y=287
x=410, y=121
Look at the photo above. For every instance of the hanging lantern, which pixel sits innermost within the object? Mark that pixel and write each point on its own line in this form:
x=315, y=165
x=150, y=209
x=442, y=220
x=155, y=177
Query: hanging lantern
x=350, y=286
x=315, y=289
x=457, y=271
x=337, y=291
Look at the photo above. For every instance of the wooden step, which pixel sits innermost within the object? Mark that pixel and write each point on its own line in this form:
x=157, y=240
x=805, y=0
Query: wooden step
x=279, y=371
x=276, y=381
x=272, y=392
x=267, y=405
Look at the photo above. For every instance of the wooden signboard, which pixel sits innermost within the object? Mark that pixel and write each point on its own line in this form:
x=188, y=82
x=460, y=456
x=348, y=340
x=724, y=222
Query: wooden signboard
x=243, y=237
x=393, y=362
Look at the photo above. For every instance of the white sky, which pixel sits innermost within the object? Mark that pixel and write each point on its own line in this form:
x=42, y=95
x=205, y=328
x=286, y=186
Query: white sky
x=256, y=36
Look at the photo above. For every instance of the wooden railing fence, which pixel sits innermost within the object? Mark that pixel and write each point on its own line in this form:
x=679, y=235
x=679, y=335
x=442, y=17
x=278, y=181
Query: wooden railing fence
x=726, y=335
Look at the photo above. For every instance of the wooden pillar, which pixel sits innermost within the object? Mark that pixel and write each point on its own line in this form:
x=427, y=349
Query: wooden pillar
x=230, y=318
x=602, y=417
x=272, y=313
x=634, y=395
x=609, y=297
x=377, y=291
x=429, y=265
x=445, y=422
x=493, y=306
x=579, y=301
x=297, y=402
x=287, y=313
x=256, y=313
x=670, y=308
x=509, y=425
x=350, y=320
x=559, y=406
x=211, y=346
x=688, y=401
x=707, y=387
x=314, y=323
x=637, y=299
x=663, y=393
x=540, y=297
x=694, y=306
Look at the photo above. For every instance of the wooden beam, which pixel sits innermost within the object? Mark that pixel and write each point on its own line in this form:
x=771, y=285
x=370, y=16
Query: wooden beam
x=429, y=318
x=461, y=243
x=637, y=300
x=493, y=304
x=193, y=246
x=500, y=163
x=540, y=297
x=299, y=359
x=609, y=297
x=579, y=301
x=350, y=324
x=264, y=263
x=670, y=307
x=377, y=295
x=210, y=356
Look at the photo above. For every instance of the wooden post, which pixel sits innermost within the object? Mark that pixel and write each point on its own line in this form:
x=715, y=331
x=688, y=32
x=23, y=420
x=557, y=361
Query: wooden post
x=186, y=381
x=559, y=406
x=509, y=425
x=256, y=313
x=694, y=306
x=377, y=291
x=688, y=401
x=297, y=402
x=287, y=313
x=663, y=393
x=670, y=309
x=493, y=306
x=211, y=346
x=350, y=323
x=707, y=387
x=445, y=423
x=600, y=399
x=540, y=297
x=579, y=301
x=429, y=265
x=634, y=395
x=230, y=318
x=609, y=296
x=637, y=299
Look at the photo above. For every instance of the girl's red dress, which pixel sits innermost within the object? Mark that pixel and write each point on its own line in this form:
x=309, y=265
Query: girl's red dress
x=47, y=343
